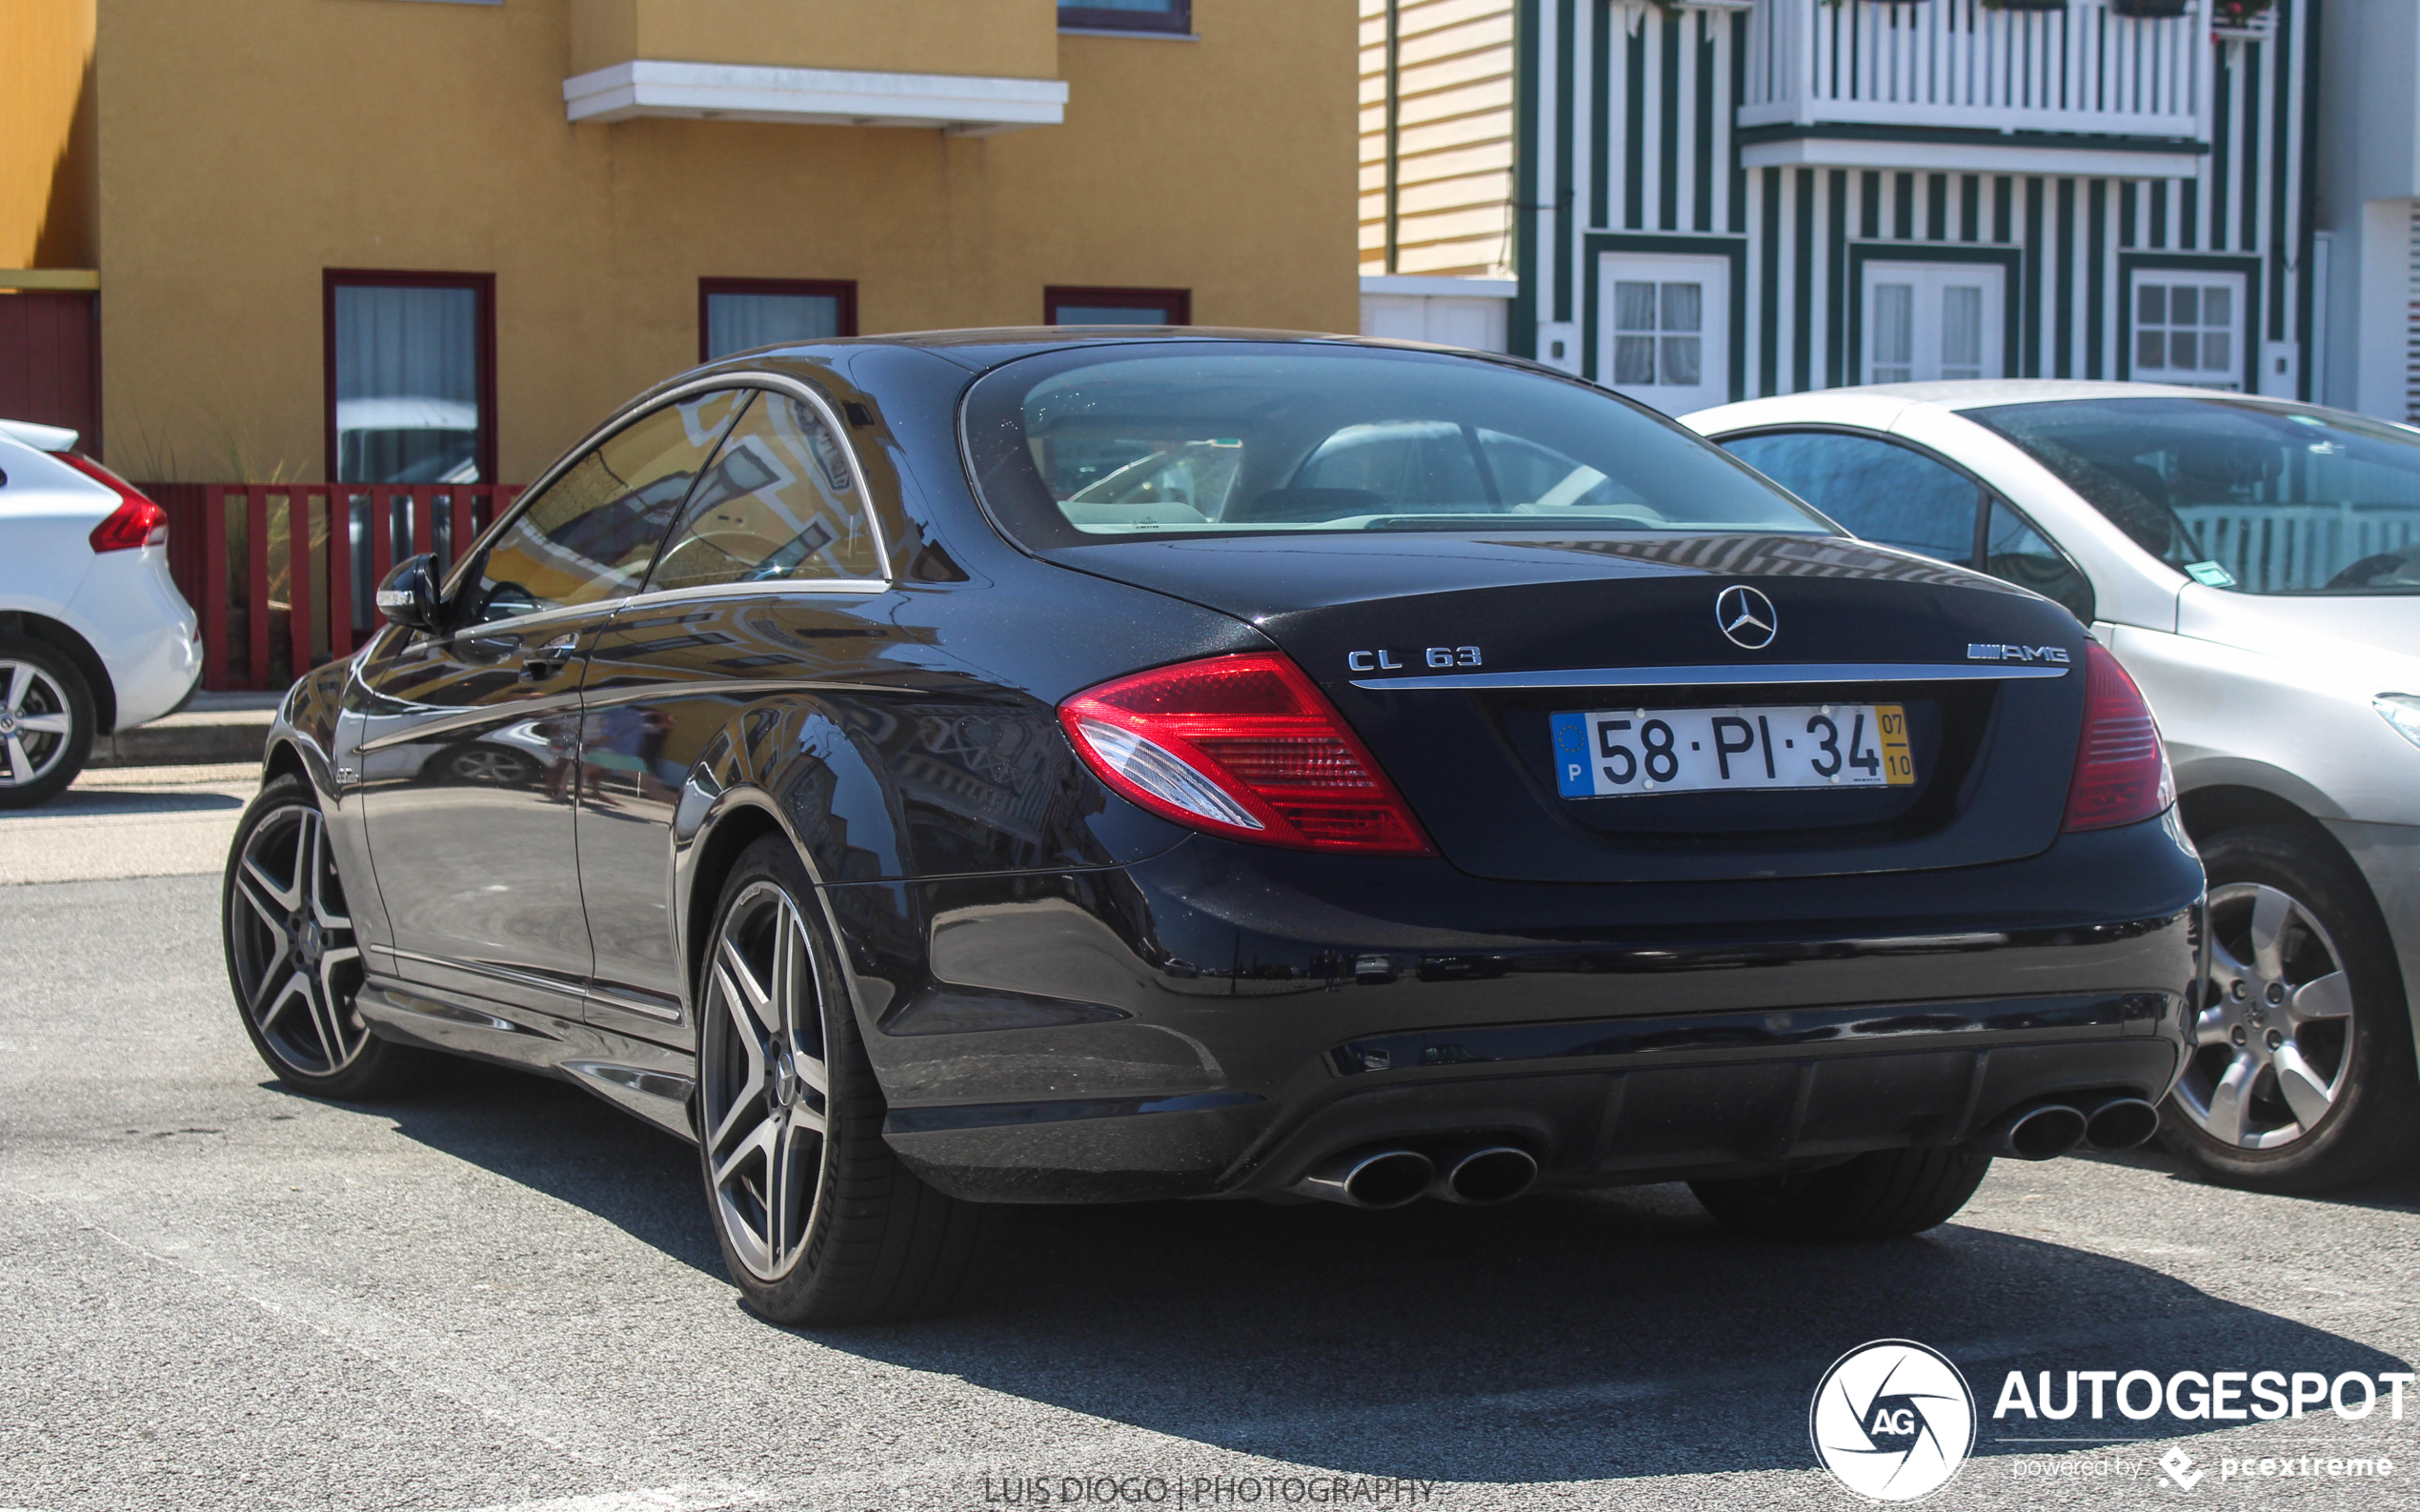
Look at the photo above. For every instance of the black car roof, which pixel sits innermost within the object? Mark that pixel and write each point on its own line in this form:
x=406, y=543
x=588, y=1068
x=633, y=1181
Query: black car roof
x=979, y=350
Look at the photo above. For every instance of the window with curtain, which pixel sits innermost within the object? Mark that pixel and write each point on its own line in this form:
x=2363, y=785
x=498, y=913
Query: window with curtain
x=740, y=314
x=410, y=364
x=1127, y=15
x=1067, y=306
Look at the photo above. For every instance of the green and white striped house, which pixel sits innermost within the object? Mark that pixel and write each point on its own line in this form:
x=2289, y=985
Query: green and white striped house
x=1717, y=199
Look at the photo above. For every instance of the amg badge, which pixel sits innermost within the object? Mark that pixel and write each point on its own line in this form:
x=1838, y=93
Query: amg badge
x=2056, y=655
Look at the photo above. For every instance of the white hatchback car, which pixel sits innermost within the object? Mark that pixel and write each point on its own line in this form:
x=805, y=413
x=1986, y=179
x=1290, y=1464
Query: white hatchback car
x=2255, y=565
x=93, y=635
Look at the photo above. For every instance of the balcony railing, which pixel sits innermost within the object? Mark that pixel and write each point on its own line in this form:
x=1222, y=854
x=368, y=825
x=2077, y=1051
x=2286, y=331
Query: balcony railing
x=1957, y=63
x=282, y=574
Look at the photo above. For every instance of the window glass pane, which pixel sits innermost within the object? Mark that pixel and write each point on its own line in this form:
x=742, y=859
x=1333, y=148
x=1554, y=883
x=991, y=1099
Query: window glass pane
x=592, y=531
x=1681, y=306
x=1880, y=491
x=2184, y=350
x=1961, y=326
x=1634, y=359
x=2150, y=349
x=1110, y=315
x=407, y=384
x=1634, y=307
x=780, y=503
x=2264, y=499
x=2215, y=354
x=740, y=322
x=1680, y=361
x=2150, y=304
x=1894, y=323
x=2015, y=553
x=2182, y=304
x=2216, y=307
x=1303, y=439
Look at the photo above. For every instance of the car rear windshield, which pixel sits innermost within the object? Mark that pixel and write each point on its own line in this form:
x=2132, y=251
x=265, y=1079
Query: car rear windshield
x=2256, y=498
x=1153, y=440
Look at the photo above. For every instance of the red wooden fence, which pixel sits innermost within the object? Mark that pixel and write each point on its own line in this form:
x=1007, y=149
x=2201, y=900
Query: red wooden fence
x=282, y=573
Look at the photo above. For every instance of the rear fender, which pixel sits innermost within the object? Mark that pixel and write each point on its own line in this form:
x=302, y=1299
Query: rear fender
x=794, y=767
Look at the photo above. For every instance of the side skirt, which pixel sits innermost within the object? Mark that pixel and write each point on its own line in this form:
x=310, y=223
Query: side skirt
x=649, y=1081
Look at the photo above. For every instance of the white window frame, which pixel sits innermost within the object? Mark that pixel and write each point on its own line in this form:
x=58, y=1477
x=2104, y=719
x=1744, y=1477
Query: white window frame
x=1931, y=281
x=2229, y=377
x=1713, y=274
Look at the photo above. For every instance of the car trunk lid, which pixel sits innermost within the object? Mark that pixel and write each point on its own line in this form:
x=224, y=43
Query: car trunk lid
x=1452, y=657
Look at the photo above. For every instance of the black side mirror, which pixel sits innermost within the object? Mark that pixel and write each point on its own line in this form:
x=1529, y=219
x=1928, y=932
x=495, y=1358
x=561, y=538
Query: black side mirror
x=408, y=596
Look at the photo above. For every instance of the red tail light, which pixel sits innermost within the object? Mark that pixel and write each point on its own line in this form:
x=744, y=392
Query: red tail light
x=1243, y=746
x=2121, y=770
x=136, y=521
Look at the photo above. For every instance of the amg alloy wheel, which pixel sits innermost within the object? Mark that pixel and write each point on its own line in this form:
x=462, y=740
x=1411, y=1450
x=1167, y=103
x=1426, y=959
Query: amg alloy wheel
x=46, y=722
x=291, y=952
x=764, y=1094
x=818, y=1220
x=2300, y=1075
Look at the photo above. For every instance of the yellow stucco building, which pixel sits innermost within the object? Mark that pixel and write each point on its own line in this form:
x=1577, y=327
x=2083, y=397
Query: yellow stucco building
x=437, y=239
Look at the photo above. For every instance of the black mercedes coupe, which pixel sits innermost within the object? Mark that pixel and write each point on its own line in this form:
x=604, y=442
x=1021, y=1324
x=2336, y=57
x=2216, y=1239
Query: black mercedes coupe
x=1092, y=766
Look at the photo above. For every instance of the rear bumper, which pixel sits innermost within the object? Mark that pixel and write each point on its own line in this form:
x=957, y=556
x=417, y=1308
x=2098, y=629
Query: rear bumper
x=1219, y=1019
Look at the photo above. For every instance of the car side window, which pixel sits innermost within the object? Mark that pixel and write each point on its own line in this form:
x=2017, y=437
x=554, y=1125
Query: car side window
x=1877, y=489
x=591, y=535
x=779, y=503
x=2015, y=552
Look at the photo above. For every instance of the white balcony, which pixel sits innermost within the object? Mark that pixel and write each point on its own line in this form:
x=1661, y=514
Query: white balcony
x=1922, y=83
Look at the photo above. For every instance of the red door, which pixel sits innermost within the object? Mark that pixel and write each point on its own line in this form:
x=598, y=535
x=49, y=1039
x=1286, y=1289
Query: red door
x=51, y=361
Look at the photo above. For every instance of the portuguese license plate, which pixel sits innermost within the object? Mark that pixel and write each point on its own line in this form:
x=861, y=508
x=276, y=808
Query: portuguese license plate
x=1608, y=753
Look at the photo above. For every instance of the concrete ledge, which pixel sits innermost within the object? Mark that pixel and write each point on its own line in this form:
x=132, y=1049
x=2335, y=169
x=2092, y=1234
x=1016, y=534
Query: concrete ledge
x=966, y=105
x=214, y=729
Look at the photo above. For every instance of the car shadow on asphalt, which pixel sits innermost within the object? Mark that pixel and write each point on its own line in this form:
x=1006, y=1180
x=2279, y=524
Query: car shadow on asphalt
x=1578, y=1337
x=1597, y=1336
x=554, y=1137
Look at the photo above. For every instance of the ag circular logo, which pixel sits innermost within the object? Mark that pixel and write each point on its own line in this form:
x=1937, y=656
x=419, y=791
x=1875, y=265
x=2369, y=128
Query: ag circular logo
x=1746, y=615
x=1892, y=1419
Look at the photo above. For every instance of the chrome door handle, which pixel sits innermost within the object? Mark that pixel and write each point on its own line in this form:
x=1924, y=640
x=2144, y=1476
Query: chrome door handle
x=548, y=659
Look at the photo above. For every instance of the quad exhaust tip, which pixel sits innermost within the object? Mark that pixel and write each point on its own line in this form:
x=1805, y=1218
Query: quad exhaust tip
x=2044, y=1130
x=1371, y=1179
x=2121, y=1124
x=1475, y=1176
x=1488, y=1175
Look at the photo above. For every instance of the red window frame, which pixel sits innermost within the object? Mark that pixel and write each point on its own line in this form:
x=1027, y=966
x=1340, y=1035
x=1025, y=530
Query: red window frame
x=482, y=285
x=845, y=290
x=1176, y=18
x=1178, y=303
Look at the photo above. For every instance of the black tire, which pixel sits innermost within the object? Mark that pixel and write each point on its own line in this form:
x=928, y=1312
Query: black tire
x=295, y=981
x=2372, y=1125
x=52, y=686
x=1887, y=1193
x=875, y=1243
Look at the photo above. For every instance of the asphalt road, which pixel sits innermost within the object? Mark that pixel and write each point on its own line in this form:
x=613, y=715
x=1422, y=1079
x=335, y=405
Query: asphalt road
x=501, y=1293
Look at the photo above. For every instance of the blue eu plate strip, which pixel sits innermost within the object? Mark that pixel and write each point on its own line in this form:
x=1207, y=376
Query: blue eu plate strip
x=1571, y=756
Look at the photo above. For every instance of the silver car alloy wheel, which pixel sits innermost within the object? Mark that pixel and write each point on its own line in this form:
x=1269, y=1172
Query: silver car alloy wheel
x=764, y=1088
x=2274, y=1045
x=35, y=721
x=296, y=964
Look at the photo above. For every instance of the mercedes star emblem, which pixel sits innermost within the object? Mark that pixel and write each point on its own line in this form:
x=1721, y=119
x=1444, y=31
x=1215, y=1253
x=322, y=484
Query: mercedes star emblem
x=1747, y=617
